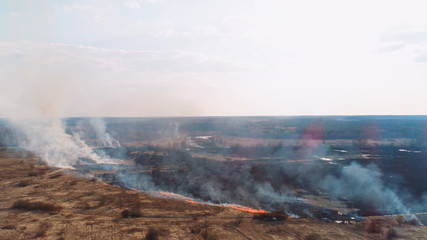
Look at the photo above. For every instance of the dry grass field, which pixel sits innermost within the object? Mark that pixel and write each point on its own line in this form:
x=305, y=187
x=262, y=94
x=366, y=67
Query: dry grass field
x=38, y=202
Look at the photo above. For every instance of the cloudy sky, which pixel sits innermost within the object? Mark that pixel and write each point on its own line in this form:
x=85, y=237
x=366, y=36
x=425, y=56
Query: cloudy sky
x=222, y=57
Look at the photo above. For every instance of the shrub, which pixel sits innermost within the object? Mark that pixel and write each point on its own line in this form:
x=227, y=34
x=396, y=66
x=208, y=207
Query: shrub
x=390, y=233
x=73, y=182
x=208, y=235
x=313, y=236
x=374, y=226
x=24, y=183
x=133, y=212
x=33, y=173
x=9, y=226
x=125, y=213
x=152, y=234
x=36, y=206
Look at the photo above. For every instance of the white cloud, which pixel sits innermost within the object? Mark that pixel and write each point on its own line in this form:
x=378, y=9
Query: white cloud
x=133, y=4
x=98, y=18
x=136, y=4
x=282, y=56
x=409, y=42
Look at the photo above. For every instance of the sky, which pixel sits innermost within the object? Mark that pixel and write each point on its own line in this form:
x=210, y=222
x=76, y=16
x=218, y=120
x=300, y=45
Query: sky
x=143, y=58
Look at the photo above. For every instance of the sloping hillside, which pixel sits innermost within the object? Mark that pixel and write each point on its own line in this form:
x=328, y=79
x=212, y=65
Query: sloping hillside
x=41, y=202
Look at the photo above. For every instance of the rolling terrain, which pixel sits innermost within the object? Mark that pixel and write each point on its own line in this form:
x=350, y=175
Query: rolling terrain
x=37, y=201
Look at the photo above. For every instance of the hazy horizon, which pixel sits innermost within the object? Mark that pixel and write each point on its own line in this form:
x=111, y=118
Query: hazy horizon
x=163, y=58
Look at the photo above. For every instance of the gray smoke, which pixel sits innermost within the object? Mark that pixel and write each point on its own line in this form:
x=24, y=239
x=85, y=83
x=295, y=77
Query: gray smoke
x=364, y=185
x=36, y=92
x=47, y=139
x=101, y=133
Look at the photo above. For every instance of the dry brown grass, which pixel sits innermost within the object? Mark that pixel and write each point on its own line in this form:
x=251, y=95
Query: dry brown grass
x=55, y=175
x=172, y=219
x=375, y=226
x=382, y=228
x=24, y=183
x=35, y=172
x=9, y=226
x=390, y=233
x=42, y=228
x=133, y=212
x=313, y=236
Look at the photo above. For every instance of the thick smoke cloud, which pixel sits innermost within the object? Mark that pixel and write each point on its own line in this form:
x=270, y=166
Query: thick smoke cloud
x=46, y=138
x=364, y=185
x=35, y=95
x=35, y=100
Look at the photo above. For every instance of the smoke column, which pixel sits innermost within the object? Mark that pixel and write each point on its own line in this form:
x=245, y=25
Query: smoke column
x=35, y=94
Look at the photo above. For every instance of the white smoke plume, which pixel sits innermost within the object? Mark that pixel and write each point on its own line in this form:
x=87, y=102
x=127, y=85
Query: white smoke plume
x=36, y=92
x=47, y=139
x=102, y=135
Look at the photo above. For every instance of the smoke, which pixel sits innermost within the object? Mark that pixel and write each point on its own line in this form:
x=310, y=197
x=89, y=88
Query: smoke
x=94, y=130
x=101, y=134
x=47, y=139
x=364, y=185
x=35, y=101
x=37, y=91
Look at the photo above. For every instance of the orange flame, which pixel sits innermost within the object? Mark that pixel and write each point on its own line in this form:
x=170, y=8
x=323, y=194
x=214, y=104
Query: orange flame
x=240, y=208
x=245, y=209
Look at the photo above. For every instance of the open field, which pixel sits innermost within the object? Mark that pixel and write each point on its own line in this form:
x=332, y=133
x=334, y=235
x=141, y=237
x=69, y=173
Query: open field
x=87, y=209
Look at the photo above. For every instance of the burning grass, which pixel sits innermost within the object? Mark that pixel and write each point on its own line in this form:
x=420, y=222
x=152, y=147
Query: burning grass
x=189, y=200
x=172, y=219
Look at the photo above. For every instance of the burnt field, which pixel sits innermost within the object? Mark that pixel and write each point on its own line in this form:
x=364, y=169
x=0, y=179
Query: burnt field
x=325, y=168
x=279, y=183
x=40, y=202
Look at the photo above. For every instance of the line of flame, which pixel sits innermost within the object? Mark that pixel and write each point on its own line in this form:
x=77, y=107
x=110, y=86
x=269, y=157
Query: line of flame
x=246, y=209
x=240, y=208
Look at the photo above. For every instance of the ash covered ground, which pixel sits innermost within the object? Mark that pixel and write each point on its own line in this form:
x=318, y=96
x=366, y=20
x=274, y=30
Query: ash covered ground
x=326, y=168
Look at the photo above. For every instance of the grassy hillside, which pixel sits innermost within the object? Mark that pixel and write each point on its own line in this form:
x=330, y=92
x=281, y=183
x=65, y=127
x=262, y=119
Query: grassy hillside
x=41, y=202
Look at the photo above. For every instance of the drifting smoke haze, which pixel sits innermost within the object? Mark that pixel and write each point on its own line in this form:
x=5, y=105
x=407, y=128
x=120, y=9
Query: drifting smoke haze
x=364, y=184
x=47, y=139
x=35, y=99
x=248, y=66
x=63, y=143
x=37, y=120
